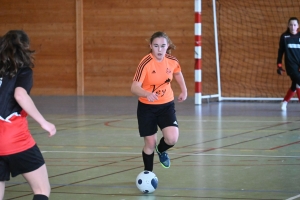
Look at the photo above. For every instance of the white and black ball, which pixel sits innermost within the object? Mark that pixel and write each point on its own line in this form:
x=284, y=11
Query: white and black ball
x=146, y=182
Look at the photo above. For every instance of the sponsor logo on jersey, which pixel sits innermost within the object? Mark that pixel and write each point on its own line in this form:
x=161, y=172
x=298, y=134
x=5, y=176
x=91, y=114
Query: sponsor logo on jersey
x=168, y=71
x=175, y=122
x=294, y=46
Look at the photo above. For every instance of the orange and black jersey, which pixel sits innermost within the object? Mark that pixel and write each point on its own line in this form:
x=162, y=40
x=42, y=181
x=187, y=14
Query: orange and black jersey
x=156, y=77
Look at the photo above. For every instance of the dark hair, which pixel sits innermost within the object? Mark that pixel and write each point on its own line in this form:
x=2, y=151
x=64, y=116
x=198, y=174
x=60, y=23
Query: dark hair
x=164, y=35
x=292, y=18
x=15, y=53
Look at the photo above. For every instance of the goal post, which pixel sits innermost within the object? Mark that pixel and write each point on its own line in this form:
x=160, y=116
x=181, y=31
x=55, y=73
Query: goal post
x=198, y=55
x=246, y=36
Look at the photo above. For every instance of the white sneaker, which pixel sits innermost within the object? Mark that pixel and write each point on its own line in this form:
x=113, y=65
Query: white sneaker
x=283, y=105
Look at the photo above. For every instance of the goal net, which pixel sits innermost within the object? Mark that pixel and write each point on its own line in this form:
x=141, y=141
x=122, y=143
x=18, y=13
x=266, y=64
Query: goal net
x=248, y=39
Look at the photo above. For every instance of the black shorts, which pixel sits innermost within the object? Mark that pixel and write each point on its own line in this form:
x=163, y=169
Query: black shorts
x=150, y=116
x=295, y=78
x=20, y=163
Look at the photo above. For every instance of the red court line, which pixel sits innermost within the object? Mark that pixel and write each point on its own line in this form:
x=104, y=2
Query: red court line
x=278, y=147
x=108, y=123
x=238, y=134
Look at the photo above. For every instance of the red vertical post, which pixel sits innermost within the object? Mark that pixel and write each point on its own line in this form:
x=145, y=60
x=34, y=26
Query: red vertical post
x=198, y=53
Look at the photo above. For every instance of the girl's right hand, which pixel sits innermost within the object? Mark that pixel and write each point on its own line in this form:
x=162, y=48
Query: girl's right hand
x=152, y=97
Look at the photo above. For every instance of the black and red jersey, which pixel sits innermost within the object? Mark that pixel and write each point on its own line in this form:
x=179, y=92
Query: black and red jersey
x=15, y=136
x=23, y=79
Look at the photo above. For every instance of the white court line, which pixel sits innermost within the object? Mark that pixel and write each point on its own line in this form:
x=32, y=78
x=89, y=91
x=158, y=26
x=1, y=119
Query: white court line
x=295, y=197
x=184, y=120
x=179, y=154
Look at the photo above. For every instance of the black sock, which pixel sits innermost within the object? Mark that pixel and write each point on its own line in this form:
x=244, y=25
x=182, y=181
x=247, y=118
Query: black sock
x=148, y=161
x=40, y=197
x=163, y=146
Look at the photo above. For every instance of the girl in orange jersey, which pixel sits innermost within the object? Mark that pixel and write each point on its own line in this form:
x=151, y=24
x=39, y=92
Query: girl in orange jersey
x=152, y=84
x=19, y=153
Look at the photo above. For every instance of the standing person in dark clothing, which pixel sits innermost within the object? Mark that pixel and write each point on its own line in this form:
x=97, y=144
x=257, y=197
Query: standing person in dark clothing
x=19, y=153
x=289, y=46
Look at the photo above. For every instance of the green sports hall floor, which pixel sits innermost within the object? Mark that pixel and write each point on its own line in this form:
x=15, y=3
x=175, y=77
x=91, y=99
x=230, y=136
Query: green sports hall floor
x=226, y=150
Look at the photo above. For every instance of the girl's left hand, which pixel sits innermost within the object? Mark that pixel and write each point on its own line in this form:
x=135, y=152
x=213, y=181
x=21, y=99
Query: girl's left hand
x=182, y=97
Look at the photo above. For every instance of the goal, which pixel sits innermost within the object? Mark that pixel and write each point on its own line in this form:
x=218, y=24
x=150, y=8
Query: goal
x=246, y=39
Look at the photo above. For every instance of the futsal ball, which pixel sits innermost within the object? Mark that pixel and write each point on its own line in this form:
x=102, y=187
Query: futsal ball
x=146, y=182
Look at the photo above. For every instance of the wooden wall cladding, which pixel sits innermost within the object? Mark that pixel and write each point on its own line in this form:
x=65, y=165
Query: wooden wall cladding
x=115, y=34
x=114, y=41
x=51, y=28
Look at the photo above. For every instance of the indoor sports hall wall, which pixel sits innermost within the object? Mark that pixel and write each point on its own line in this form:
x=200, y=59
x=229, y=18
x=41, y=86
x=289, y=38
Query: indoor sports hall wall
x=51, y=28
x=114, y=36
